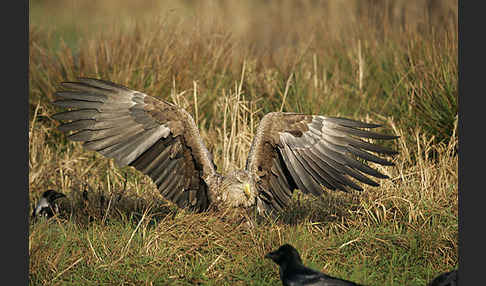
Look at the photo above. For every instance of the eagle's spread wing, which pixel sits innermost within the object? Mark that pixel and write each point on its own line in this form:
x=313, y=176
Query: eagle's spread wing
x=152, y=135
x=295, y=151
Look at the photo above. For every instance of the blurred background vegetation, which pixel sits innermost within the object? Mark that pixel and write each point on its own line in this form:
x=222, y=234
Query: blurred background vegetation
x=390, y=57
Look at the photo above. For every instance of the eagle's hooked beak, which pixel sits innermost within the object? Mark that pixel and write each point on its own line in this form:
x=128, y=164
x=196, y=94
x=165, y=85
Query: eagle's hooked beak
x=246, y=189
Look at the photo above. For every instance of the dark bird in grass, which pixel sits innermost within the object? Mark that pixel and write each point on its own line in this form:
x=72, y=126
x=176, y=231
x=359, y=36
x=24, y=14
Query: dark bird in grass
x=294, y=273
x=289, y=151
x=47, y=206
x=445, y=279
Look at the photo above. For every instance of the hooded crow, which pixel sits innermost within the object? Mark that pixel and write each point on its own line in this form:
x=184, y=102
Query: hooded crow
x=46, y=207
x=294, y=273
x=445, y=279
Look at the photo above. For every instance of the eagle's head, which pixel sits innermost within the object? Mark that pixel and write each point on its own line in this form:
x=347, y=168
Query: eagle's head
x=237, y=190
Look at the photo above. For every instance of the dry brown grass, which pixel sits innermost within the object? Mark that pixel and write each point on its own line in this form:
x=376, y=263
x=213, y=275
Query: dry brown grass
x=413, y=214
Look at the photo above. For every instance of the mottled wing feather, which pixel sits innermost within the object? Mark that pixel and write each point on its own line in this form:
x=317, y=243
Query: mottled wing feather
x=156, y=137
x=307, y=152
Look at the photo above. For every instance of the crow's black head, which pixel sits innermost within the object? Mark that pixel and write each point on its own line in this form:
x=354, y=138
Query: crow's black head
x=46, y=205
x=52, y=195
x=285, y=254
x=445, y=279
x=293, y=272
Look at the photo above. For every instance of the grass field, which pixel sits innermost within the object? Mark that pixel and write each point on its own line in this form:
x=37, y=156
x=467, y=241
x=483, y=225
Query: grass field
x=229, y=63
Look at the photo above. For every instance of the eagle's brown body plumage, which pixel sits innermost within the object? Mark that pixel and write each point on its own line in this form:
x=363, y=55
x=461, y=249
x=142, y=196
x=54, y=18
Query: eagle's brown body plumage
x=290, y=150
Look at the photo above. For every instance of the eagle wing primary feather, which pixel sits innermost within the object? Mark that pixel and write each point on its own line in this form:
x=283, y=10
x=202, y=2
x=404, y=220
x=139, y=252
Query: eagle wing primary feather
x=154, y=136
x=310, y=152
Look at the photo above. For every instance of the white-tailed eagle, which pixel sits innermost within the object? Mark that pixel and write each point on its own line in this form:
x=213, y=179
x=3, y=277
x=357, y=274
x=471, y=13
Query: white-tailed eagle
x=290, y=150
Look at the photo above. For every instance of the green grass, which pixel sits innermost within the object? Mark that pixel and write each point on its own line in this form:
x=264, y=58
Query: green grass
x=402, y=233
x=228, y=65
